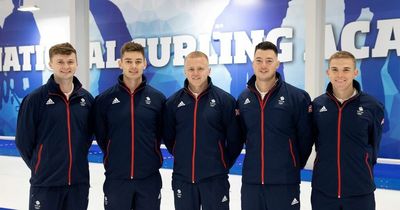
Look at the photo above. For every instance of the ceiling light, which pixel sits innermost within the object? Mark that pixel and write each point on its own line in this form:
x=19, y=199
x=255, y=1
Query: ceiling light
x=27, y=6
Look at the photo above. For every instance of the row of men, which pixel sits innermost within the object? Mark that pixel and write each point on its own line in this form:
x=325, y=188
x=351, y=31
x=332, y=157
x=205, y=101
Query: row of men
x=205, y=129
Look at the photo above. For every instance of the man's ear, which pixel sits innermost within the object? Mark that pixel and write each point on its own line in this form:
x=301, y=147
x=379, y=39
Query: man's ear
x=355, y=72
x=120, y=63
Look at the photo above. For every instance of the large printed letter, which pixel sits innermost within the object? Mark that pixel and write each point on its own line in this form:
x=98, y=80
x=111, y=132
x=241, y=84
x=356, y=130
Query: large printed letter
x=26, y=52
x=286, y=48
x=165, y=51
x=96, y=56
x=204, y=46
x=243, y=45
x=39, y=66
x=349, y=37
x=111, y=62
x=11, y=59
x=330, y=43
x=225, y=40
x=183, y=45
x=384, y=43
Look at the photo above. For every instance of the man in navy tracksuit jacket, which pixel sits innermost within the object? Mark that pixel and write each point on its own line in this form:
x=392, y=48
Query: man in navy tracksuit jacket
x=128, y=130
x=202, y=133
x=348, y=127
x=54, y=135
x=276, y=122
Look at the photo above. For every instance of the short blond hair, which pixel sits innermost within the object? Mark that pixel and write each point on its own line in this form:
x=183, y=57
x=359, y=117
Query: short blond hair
x=342, y=54
x=196, y=54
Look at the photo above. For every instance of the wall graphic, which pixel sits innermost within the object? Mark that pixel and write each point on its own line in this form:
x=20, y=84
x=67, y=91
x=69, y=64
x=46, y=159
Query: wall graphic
x=220, y=30
x=226, y=30
x=371, y=31
x=17, y=77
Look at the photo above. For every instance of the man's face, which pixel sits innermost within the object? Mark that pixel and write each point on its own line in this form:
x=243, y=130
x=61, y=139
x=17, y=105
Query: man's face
x=132, y=65
x=197, y=71
x=265, y=64
x=64, y=66
x=341, y=73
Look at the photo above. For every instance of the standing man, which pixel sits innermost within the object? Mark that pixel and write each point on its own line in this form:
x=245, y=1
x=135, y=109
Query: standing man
x=128, y=131
x=201, y=131
x=348, y=128
x=276, y=122
x=54, y=135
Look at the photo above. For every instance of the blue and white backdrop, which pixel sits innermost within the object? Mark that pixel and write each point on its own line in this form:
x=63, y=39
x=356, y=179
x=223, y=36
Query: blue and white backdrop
x=226, y=30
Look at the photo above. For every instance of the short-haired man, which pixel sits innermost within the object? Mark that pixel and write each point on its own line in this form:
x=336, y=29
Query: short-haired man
x=201, y=131
x=54, y=134
x=348, y=128
x=128, y=120
x=276, y=123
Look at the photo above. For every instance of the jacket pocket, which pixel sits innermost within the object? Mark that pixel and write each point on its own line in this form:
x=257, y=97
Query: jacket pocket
x=315, y=160
x=39, y=157
x=158, y=151
x=221, y=149
x=173, y=149
x=368, y=165
x=105, y=161
x=292, y=153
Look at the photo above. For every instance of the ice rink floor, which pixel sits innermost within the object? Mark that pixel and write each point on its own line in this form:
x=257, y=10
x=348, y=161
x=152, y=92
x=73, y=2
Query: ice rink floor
x=14, y=188
x=14, y=182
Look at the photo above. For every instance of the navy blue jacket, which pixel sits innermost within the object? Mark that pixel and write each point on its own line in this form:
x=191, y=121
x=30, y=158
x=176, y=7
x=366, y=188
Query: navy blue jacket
x=54, y=134
x=347, y=140
x=277, y=133
x=128, y=130
x=202, y=134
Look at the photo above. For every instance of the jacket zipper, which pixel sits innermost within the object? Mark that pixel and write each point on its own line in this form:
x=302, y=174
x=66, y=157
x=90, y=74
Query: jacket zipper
x=67, y=103
x=132, y=95
x=262, y=144
x=338, y=153
x=338, y=163
x=194, y=138
x=263, y=103
x=132, y=135
x=69, y=142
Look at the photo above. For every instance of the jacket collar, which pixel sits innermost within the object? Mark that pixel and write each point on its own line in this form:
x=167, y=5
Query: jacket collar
x=55, y=88
x=251, y=84
x=356, y=85
x=186, y=86
x=122, y=84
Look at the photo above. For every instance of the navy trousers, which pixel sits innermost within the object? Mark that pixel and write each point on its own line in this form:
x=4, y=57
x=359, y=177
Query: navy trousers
x=319, y=201
x=210, y=194
x=138, y=194
x=73, y=197
x=270, y=197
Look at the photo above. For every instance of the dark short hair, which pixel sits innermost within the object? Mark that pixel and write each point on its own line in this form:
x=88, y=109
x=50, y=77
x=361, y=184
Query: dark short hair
x=266, y=45
x=342, y=54
x=61, y=49
x=132, y=47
